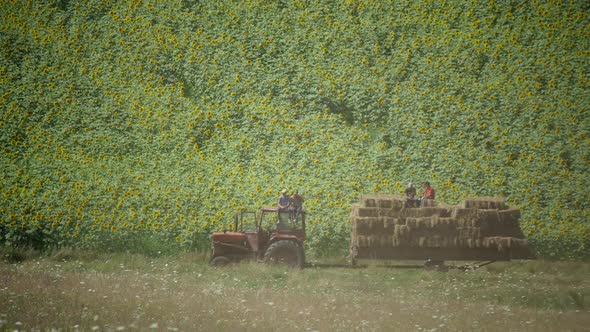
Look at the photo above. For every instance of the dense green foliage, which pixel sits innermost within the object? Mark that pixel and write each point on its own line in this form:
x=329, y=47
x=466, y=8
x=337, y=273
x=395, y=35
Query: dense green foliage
x=156, y=120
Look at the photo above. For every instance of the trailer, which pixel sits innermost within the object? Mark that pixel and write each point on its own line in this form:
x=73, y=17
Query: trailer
x=484, y=229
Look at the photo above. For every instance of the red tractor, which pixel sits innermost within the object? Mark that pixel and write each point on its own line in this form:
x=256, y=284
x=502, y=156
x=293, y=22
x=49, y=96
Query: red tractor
x=269, y=236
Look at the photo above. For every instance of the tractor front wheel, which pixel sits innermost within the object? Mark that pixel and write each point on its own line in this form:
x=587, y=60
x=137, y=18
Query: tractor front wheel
x=285, y=252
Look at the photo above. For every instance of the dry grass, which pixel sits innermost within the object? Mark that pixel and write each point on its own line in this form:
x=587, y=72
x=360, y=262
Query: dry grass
x=121, y=292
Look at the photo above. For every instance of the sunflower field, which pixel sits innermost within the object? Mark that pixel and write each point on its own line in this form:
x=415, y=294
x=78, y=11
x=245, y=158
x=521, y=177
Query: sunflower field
x=144, y=124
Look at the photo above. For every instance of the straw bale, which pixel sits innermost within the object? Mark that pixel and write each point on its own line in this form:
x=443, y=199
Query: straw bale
x=389, y=224
x=385, y=241
x=435, y=241
x=384, y=203
x=354, y=210
x=490, y=222
x=362, y=241
x=463, y=223
x=428, y=202
x=489, y=216
x=401, y=231
x=422, y=223
x=375, y=225
x=397, y=230
x=367, y=241
x=368, y=202
x=469, y=232
x=433, y=222
x=502, y=243
x=444, y=223
x=393, y=213
x=452, y=242
x=427, y=212
x=400, y=242
x=361, y=225
x=506, y=242
x=486, y=203
x=446, y=226
x=412, y=222
x=451, y=222
x=519, y=243
x=464, y=213
x=372, y=241
x=368, y=212
x=422, y=242
x=404, y=231
x=398, y=203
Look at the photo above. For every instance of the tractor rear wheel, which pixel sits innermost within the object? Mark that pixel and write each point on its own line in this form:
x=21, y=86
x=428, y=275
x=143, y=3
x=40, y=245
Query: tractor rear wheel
x=285, y=252
x=219, y=261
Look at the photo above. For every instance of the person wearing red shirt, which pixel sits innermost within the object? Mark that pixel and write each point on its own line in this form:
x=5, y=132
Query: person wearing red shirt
x=428, y=191
x=428, y=196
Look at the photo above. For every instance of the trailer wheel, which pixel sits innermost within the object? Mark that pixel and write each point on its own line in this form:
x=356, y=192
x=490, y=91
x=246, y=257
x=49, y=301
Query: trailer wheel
x=219, y=261
x=285, y=252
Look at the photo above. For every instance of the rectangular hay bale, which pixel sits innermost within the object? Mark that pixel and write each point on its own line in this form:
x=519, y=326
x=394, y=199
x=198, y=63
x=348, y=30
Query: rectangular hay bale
x=389, y=224
x=362, y=241
x=486, y=203
x=464, y=213
x=367, y=212
x=375, y=225
x=383, y=203
x=385, y=241
x=427, y=212
x=368, y=202
x=361, y=225
x=412, y=222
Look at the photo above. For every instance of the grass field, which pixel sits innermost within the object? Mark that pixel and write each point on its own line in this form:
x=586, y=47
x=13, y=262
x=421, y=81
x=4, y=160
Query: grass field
x=114, y=292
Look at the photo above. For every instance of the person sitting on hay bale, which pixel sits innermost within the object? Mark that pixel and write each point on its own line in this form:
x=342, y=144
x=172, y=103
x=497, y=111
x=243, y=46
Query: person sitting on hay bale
x=411, y=200
x=427, y=198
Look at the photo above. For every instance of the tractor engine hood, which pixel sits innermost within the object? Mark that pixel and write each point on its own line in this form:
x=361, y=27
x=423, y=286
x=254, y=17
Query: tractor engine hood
x=232, y=237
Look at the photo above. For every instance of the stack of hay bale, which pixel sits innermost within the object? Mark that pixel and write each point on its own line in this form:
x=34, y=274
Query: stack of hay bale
x=383, y=221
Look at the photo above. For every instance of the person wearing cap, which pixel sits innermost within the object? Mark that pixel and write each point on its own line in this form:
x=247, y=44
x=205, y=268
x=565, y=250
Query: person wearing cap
x=411, y=200
x=284, y=201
